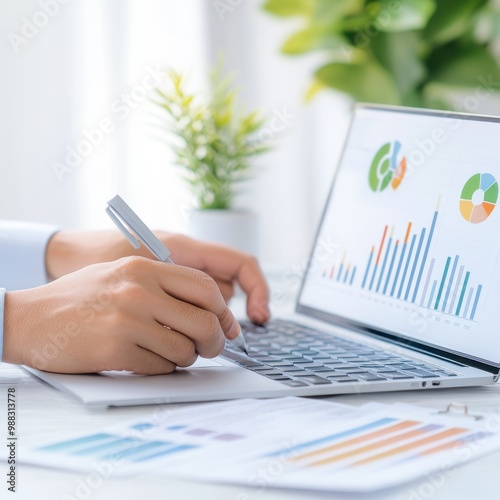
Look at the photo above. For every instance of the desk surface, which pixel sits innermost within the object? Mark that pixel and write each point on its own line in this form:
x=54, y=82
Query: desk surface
x=44, y=411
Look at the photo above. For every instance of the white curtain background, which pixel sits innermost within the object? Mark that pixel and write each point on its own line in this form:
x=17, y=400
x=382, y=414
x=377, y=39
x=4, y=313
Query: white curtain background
x=88, y=64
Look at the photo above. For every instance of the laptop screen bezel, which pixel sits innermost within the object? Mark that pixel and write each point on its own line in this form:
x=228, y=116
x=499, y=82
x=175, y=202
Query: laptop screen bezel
x=358, y=326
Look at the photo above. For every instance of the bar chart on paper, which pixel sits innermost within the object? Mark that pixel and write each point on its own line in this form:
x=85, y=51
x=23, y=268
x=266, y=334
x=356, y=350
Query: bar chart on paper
x=401, y=266
x=375, y=446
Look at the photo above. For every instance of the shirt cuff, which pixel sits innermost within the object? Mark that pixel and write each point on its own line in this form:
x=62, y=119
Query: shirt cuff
x=23, y=247
x=2, y=301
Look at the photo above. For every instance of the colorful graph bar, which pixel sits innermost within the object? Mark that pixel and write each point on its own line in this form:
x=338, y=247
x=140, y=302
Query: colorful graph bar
x=462, y=294
x=405, y=243
x=368, y=267
x=344, y=274
x=389, y=274
x=450, y=283
x=333, y=437
x=377, y=262
x=401, y=270
x=434, y=285
x=427, y=281
x=446, y=434
x=441, y=286
x=424, y=259
x=476, y=300
x=455, y=291
x=111, y=446
x=415, y=262
x=407, y=282
x=382, y=442
x=360, y=439
x=414, y=237
x=353, y=275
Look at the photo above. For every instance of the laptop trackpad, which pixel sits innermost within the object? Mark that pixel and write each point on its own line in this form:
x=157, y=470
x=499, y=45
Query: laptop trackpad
x=199, y=363
x=203, y=363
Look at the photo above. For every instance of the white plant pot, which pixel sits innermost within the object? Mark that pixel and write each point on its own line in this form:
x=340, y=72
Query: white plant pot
x=235, y=228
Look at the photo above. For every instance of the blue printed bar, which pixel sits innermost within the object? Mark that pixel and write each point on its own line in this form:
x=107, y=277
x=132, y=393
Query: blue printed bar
x=391, y=266
x=139, y=449
x=455, y=291
x=78, y=443
x=427, y=281
x=389, y=245
x=353, y=275
x=413, y=239
x=462, y=293
x=117, y=445
x=167, y=451
x=368, y=267
x=476, y=300
x=467, y=305
x=441, y=286
x=415, y=262
x=424, y=259
x=334, y=437
x=434, y=285
x=450, y=284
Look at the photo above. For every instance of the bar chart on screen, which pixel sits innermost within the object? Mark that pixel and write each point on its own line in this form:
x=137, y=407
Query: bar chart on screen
x=405, y=265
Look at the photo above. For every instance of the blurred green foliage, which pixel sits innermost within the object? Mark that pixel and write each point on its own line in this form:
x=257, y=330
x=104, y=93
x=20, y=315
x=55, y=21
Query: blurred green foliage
x=213, y=140
x=410, y=52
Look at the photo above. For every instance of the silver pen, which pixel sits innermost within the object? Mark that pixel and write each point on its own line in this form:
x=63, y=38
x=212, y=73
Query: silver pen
x=120, y=213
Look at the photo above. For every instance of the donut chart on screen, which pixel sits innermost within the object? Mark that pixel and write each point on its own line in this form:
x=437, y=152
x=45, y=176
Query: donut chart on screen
x=478, y=198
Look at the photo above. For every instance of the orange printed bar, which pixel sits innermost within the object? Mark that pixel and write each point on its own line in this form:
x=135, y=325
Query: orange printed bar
x=381, y=245
x=374, y=446
x=361, y=439
x=408, y=232
x=411, y=446
x=471, y=438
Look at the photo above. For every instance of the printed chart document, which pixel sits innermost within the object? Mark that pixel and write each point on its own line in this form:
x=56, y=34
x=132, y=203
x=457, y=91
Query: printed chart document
x=287, y=443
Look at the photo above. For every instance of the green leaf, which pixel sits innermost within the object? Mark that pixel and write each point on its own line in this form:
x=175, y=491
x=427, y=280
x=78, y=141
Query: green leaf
x=467, y=68
x=366, y=82
x=286, y=8
x=332, y=11
x=312, y=38
x=404, y=15
x=399, y=55
x=301, y=41
x=313, y=89
x=451, y=19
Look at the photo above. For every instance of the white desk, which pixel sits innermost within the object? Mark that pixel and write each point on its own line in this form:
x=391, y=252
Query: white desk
x=43, y=411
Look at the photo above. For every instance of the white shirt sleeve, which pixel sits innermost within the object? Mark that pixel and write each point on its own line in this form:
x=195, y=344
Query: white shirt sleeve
x=22, y=254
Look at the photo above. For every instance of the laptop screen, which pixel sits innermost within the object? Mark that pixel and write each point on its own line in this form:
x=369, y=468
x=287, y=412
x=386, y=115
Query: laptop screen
x=410, y=237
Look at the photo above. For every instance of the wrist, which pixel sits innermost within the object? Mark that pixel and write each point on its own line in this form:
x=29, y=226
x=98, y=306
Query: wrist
x=15, y=327
x=60, y=254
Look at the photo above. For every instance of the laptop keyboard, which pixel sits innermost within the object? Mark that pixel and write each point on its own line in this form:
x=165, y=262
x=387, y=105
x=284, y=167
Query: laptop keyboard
x=298, y=356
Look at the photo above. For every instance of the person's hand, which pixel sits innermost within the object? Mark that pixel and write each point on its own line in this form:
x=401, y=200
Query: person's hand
x=132, y=314
x=70, y=251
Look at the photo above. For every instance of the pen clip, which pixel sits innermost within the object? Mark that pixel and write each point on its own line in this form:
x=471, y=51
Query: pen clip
x=122, y=215
x=114, y=217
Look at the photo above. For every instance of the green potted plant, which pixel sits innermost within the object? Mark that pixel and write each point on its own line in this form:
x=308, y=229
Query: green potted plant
x=214, y=141
x=410, y=52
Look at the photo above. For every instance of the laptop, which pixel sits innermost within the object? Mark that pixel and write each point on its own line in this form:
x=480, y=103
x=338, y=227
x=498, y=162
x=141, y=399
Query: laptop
x=402, y=287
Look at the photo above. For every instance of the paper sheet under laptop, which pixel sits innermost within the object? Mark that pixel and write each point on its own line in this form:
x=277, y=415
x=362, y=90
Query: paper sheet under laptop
x=286, y=443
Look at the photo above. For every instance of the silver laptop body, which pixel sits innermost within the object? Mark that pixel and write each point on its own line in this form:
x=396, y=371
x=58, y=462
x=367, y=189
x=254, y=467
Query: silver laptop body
x=402, y=287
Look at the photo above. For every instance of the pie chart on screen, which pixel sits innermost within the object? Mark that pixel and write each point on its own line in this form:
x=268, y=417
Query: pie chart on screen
x=478, y=198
